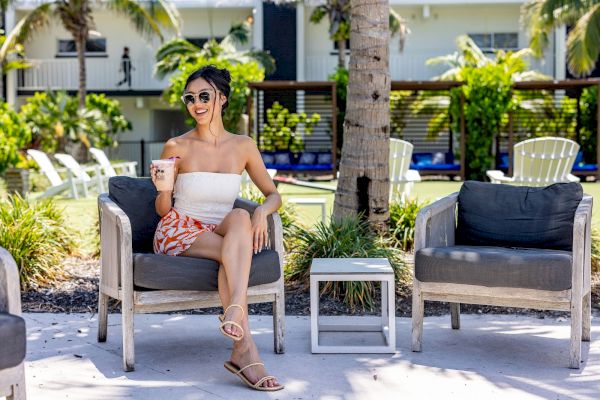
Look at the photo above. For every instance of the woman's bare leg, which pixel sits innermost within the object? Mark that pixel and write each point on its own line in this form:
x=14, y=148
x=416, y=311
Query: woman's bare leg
x=233, y=278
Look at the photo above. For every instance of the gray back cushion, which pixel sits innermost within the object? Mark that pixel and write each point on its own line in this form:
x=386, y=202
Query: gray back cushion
x=136, y=198
x=517, y=216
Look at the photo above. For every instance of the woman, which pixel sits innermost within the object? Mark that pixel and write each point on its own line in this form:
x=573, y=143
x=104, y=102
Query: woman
x=203, y=223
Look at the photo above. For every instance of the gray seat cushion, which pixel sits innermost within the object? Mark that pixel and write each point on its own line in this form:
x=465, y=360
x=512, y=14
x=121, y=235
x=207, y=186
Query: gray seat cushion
x=159, y=271
x=13, y=339
x=136, y=196
x=495, y=267
x=513, y=216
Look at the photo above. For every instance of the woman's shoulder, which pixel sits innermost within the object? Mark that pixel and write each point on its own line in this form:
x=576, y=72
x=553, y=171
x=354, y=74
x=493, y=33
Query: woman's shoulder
x=243, y=140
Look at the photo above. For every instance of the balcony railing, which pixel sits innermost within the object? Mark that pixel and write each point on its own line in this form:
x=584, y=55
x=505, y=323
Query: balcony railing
x=406, y=66
x=102, y=74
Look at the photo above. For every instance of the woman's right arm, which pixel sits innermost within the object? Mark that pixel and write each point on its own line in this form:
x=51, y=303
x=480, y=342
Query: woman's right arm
x=164, y=200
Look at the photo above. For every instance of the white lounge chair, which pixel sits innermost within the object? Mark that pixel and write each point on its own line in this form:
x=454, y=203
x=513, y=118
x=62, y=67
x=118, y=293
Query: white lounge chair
x=58, y=184
x=81, y=173
x=402, y=179
x=126, y=168
x=540, y=162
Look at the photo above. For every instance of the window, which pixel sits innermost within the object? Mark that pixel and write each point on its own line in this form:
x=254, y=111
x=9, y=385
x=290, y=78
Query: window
x=336, y=47
x=488, y=42
x=199, y=41
x=93, y=47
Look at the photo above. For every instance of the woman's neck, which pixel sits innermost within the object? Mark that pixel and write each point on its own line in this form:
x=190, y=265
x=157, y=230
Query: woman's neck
x=216, y=132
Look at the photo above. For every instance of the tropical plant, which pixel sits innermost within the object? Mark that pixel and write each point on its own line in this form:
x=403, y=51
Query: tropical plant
x=338, y=14
x=541, y=17
x=402, y=222
x=350, y=236
x=487, y=95
x=589, y=123
x=241, y=75
x=280, y=130
x=363, y=184
x=35, y=234
x=340, y=77
x=76, y=16
x=55, y=120
x=14, y=136
x=12, y=57
x=179, y=51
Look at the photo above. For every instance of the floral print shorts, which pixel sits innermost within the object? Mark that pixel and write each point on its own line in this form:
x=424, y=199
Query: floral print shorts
x=176, y=232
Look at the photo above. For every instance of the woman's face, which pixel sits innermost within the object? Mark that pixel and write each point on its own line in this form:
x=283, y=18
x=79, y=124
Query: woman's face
x=202, y=101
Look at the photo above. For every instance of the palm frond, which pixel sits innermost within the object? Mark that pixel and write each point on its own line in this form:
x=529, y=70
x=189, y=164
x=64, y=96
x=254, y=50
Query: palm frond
x=141, y=19
x=239, y=32
x=31, y=23
x=166, y=14
x=583, y=43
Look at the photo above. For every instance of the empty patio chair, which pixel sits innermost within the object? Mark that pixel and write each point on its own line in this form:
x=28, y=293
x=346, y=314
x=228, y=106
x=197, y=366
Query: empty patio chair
x=58, y=185
x=126, y=168
x=12, y=331
x=146, y=282
x=402, y=178
x=540, y=162
x=506, y=246
x=81, y=173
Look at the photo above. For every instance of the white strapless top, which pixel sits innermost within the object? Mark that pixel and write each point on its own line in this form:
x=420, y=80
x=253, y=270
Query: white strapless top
x=206, y=196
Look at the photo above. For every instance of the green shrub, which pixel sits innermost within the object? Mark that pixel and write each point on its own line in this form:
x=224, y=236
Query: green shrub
x=14, y=135
x=402, y=222
x=35, y=234
x=349, y=237
x=595, y=250
x=279, y=132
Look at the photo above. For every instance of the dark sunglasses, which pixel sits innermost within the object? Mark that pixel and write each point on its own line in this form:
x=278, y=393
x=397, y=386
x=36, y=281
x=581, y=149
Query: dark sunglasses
x=190, y=98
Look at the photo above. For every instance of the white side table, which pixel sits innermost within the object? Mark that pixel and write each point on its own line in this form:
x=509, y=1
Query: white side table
x=312, y=201
x=353, y=269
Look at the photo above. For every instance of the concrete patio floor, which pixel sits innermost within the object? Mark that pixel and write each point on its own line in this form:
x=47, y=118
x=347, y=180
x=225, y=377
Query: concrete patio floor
x=181, y=357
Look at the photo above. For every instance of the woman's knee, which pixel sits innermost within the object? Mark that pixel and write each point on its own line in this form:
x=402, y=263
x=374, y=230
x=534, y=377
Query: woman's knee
x=241, y=218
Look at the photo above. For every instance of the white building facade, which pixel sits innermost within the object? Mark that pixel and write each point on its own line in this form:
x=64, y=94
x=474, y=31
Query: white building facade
x=302, y=49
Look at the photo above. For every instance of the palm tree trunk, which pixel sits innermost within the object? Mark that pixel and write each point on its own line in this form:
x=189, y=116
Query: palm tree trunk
x=363, y=184
x=341, y=53
x=80, y=46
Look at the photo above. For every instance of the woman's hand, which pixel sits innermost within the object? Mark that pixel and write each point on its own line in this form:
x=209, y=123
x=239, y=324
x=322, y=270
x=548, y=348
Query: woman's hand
x=259, y=230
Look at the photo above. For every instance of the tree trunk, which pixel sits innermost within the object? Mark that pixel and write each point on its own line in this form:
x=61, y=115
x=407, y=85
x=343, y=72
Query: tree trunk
x=363, y=184
x=80, y=40
x=341, y=53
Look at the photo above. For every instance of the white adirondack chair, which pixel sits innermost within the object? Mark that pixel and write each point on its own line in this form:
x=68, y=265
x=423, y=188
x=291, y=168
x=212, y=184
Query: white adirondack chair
x=540, y=162
x=58, y=184
x=126, y=168
x=81, y=173
x=402, y=179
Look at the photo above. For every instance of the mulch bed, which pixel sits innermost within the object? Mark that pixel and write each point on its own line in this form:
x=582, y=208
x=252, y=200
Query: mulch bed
x=79, y=294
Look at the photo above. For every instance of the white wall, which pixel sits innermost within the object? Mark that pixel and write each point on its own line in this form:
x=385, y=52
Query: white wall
x=432, y=36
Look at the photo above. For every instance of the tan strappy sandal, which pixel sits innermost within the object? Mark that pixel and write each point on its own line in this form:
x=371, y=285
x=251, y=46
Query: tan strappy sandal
x=234, y=369
x=230, y=322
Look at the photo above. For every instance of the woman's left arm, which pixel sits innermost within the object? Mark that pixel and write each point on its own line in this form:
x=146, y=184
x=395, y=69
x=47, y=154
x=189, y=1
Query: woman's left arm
x=259, y=175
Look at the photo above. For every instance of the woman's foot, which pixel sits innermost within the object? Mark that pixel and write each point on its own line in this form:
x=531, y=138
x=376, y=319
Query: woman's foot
x=232, y=317
x=245, y=353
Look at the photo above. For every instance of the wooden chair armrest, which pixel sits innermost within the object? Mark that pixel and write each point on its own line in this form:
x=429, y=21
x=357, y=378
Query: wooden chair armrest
x=436, y=223
x=582, y=239
x=10, y=291
x=116, y=254
x=498, y=176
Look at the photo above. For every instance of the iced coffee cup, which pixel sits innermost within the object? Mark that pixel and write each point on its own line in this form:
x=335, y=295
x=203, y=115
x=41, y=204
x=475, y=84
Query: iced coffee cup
x=165, y=174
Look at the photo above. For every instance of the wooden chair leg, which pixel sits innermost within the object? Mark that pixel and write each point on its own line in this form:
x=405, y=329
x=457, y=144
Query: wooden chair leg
x=102, y=316
x=19, y=392
x=128, y=343
x=418, y=306
x=576, y=330
x=586, y=322
x=455, y=315
x=279, y=323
